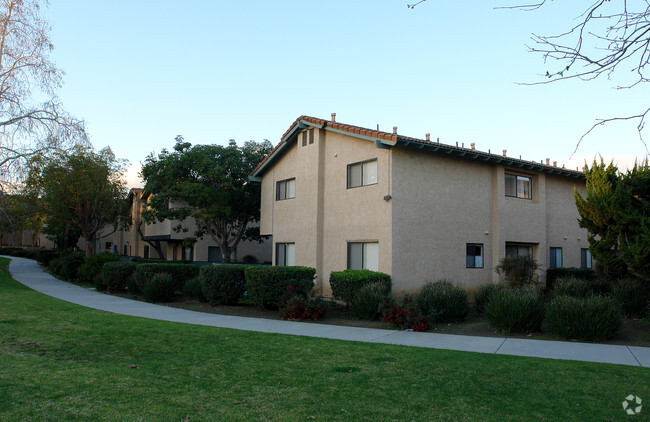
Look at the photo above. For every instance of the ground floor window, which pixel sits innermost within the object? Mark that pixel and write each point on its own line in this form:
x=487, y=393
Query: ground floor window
x=518, y=250
x=188, y=253
x=556, y=258
x=146, y=251
x=363, y=256
x=585, y=258
x=285, y=254
x=474, y=255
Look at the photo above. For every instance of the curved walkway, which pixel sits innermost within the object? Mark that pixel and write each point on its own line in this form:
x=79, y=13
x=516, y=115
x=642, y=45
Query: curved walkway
x=29, y=273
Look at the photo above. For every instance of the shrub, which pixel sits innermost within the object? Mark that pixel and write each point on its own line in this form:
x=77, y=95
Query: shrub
x=553, y=274
x=442, y=301
x=632, y=294
x=584, y=318
x=46, y=256
x=404, y=315
x=193, y=290
x=346, y=284
x=67, y=266
x=9, y=250
x=483, y=295
x=223, y=284
x=297, y=307
x=572, y=286
x=366, y=304
x=267, y=286
x=518, y=271
x=92, y=266
x=249, y=259
x=159, y=288
x=180, y=273
x=19, y=253
x=132, y=286
x=115, y=275
x=515, y=311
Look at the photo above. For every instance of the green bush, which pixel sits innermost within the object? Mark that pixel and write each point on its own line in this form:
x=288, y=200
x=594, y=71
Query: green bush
x=515, y=311
x=9, y=250
x=366, y=304
x=67, y=267
x=159, y=288
x=574, y=287
x=180, y=273
x=298, y=307
x=633, y=295
x=20, y=253
x=518, y=271
x=115, y=275
x=223, y=284
x=553, y=274
x=483, y=295
x=346, y=284
x=442, y=301
x=92, y=266
x=193, y=290
x=45, y=256
x=404, y=315
x=584, y=318
x=267, y=286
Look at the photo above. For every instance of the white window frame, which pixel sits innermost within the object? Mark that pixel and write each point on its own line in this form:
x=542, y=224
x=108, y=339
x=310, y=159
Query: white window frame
x=285, y=189
x=369, y=170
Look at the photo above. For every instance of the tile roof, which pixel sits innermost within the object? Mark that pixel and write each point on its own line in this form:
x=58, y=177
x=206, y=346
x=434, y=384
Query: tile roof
x=396, y=139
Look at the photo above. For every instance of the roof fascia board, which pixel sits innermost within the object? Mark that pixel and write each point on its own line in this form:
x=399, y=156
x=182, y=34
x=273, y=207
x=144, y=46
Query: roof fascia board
x=381, y=143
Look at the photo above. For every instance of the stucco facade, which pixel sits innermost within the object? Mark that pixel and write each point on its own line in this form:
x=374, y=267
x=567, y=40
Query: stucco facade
x=424, y=206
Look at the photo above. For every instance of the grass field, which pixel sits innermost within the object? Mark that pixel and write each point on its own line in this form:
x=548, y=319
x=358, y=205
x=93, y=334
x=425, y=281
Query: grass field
x=63, y=361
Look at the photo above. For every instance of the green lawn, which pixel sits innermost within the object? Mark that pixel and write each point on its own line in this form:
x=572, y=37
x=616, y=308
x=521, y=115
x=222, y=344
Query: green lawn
x=63, y=361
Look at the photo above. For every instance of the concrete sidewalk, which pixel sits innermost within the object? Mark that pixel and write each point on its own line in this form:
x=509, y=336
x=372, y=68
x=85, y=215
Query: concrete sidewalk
x=29, y=273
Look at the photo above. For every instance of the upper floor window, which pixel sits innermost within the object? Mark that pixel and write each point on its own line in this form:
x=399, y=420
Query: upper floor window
x=556, y=258
x=474, y=255
x=519, y=186
x=285, y=189
x=518, y=250
x=585, y=258
x=362, y=173
x=363, y=256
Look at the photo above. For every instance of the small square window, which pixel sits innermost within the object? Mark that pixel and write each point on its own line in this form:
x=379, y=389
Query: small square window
x=362, y=174
x=519, y=186
x=363, y=256
x=474, y=255
x=285, y=189
x=285, y=254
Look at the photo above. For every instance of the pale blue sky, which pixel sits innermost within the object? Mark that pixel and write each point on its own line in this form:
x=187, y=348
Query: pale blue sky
x=142, y=72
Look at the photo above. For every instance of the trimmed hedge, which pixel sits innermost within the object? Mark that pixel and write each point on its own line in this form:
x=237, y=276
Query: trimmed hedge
x=92, y=266
x=442, y=301
x=67, y=266
x=553, y=274
x=268, y=286
x=347, y=284
x=159, y=288
x=515, y=311
x=180, y=273
x=115, y=275
x=46, y=256
x=223, y=284
x=587, y=318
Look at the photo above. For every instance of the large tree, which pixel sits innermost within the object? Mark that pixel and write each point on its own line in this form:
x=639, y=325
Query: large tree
x=82, y=191
x=616, y=212
x=32, y=120
x=206, y=184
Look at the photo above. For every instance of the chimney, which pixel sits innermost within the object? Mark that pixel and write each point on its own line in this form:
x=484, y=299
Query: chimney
x=548, y=161
x=428, y=136
x=394, y=130
x=333, y=117
x=473, y=145
x=504, y=152
x=554, y=163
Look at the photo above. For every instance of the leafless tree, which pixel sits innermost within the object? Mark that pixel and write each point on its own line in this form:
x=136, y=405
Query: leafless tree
x=609, y=37
x=32, y=120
